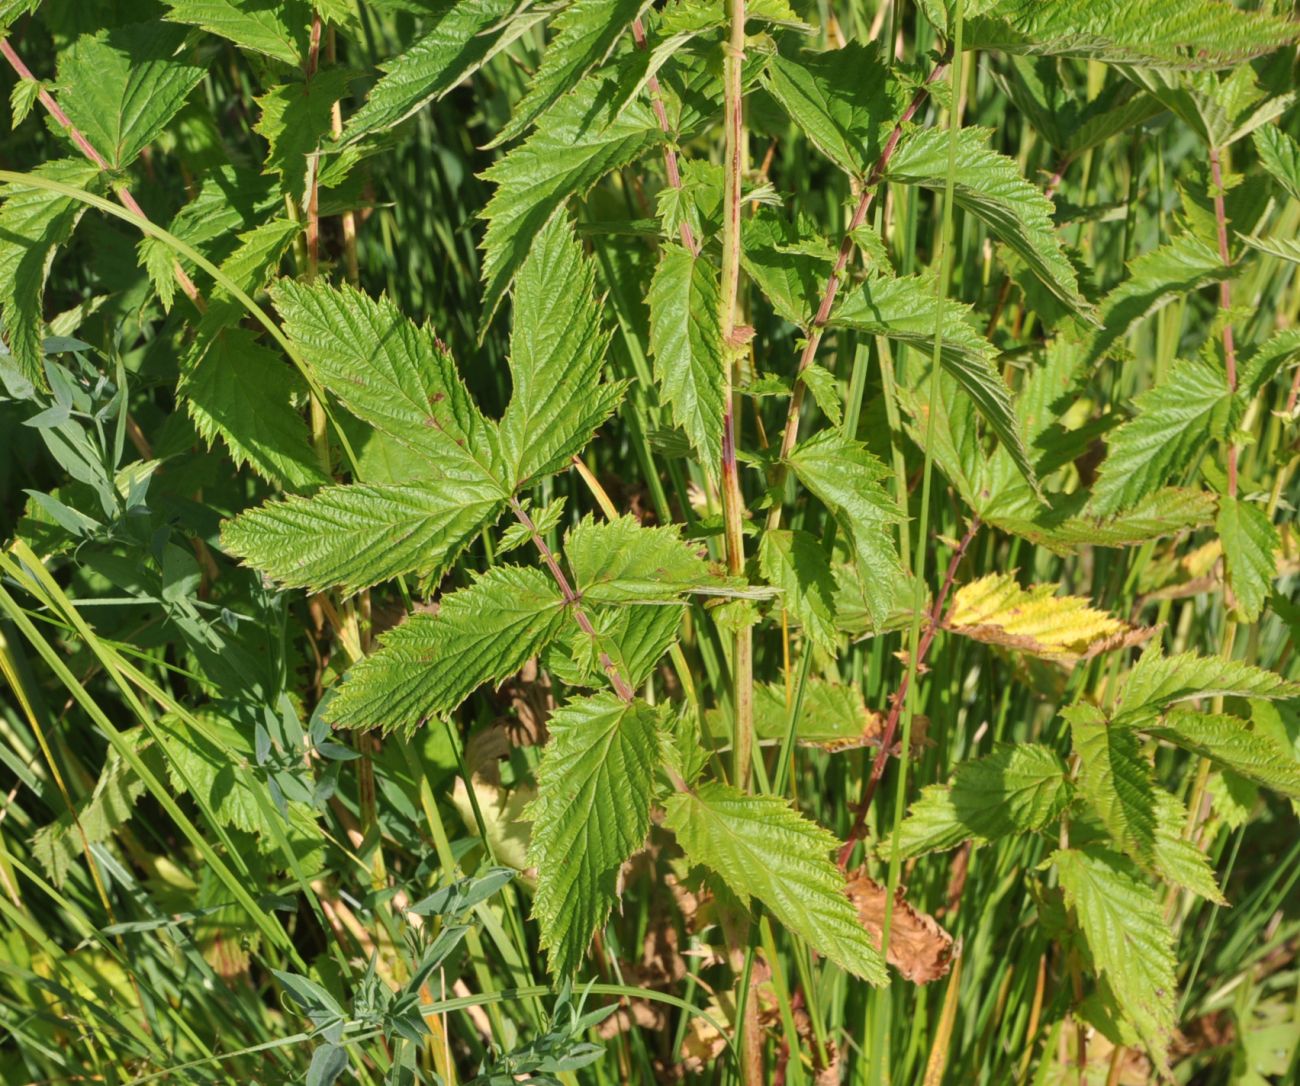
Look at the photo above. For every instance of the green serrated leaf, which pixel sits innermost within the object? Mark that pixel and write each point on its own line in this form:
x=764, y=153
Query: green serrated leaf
x=797, y=564
x=1012, y=790
x=595, y=783
x=1229, y=742
x=762, y=848
x=1282, y=248
x=278, y=30
x=1116, y=779
x=1178, y=860
x=121, y=87
x=1176, y=420
x=847, y=478
x=431, y=663
x=22, y=98
x=586, y=32
x=517, y=535
x=1250, y=543
x=686, y=340
x=12, y=10
x=295, y=121
x=825, y=391
x=1279, y=154
x=581, y=142
x=33, y=224
x=1131, y=945
x=620, y=561
x=557, y=348
x=844, y=101
x=1158, y=681
x=352, y=537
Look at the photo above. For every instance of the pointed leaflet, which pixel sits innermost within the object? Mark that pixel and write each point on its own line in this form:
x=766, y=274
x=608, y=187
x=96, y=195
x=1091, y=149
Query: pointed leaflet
x=557, y=347
x=1229, y=742
x=996, y=610
x=990, y=186
x=33, y=224
x=1249, y=545
x=585, y=33
x=1158, y=681
x=1279, y=154
x=1014, y=789
x=623, y=562
x=844, y=101
x=686, y=340
x=431, y=663
x=1116, y=779
x=1155, y=279
x=391, y=373
x=1180, y=34
x=296, y=118
x=277, y=30
x=762, y=848
x=796, y=563
x=120, y=87
x=583, y=139
x=846, y=478
x=245, y=394
x=1176, y=421
x=352, y=537
x=1282, y=248
x=906, y=309
x=790, y=263
x=12, y=10
x=1130, y=943
x=460, y=40
x=592, y=812
x=1178, y=860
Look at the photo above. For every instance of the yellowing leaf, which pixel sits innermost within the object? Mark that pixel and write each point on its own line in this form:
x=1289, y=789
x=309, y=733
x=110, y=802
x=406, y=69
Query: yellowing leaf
x=1065, y=629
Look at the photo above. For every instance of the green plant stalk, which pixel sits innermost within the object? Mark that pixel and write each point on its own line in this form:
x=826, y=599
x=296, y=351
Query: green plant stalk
x=879, y=1074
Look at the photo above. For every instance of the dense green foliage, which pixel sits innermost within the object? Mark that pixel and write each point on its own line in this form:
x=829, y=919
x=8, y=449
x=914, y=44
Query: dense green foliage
x=615, y=540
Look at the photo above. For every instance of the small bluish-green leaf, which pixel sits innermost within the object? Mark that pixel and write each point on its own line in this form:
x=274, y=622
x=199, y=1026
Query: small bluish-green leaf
x=431, y=663
x=1250, y=544
x=352, y=537
x=762, y=848
x=686, y=340
x=592, y=812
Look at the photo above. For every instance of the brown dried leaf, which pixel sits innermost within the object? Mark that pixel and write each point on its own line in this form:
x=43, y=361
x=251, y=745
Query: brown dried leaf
x=918, y=947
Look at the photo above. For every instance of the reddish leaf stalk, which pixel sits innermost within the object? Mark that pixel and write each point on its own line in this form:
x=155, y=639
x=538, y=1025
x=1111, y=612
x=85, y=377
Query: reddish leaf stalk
x=87, y=148
x=573, y=599
x=900, y=696
x=791, y=432
x=1225, y=302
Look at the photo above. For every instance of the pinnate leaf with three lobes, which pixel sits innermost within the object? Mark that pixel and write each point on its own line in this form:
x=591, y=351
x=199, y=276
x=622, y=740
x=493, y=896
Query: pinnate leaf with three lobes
x=585, y=32
x=1186, y=33
x=1176, y=421
x=997, y=611
x=120, y=87
x=432, y=662
x=1115, y=779
x=557, y=347
x=33, y=224
x=686, y=340
x=1012, y=790
x=762, y=848
x=622, y=562
x=847, y=479
x=583, y=139
x=1131, y=945
x=1229, y=742
x=844, y=101
x=391, y=373
x=595, y=783
x=1250, y=543
x=355, y=536
x=1158, y=681
x=278, y=30
x=462, y=37
x=990, y=186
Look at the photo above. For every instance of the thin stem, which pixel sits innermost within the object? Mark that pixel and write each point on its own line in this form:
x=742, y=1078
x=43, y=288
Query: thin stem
x=1225, y=302
x=573, y=599
x=933, y=625
x=87, y=148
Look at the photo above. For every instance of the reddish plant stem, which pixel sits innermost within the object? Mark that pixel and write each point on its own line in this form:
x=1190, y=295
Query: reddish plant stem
x=791, y=432
x=310, y=68
x=87, y=148
x=572, y=598
x=1225, y=302
x=670, y=153
x=900, y=695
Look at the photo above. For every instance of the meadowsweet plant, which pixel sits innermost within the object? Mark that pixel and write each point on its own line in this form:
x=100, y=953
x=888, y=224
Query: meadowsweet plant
x=649, y=540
